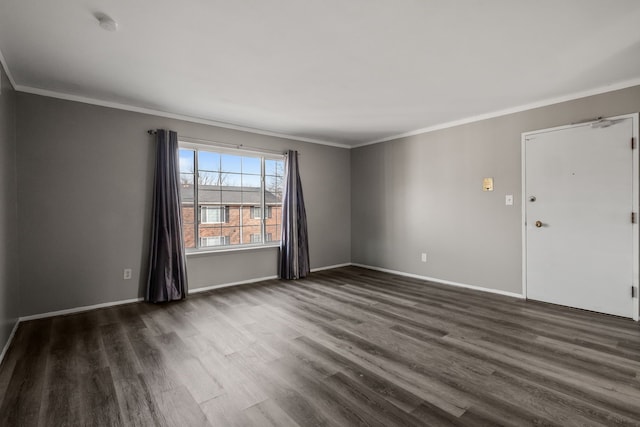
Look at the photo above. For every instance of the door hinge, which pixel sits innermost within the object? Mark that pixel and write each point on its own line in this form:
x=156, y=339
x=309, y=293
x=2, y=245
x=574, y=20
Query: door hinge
x=633, y=217
x=633, y=143
x=633, y=292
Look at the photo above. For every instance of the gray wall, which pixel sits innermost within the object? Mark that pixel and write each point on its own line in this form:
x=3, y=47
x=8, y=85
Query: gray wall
x=9, y=292
x=424, y=194
x=84, y=185
x=84, y=175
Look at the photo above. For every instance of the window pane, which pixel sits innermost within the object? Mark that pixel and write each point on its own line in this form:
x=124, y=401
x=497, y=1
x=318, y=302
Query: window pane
x=188, y=232
x=276, y=214
x=277, y=197
x=249, y=215
x=186, y=194
x=208, y=161
x=188, y=214
x=274, y=230
x=186, y=160
x=232, y=233
x=231, y=196
x=230, y=179
x=251, y=197
x=231, y=163
x=250, y=233
x=251, y=183
x=251, y=165
x=209, y=195
x=209, y=235
x=233, y=221
x=272, y=198
x=186, y=179
x=187, y=190
x=273, y=167
x=208, y=178
x=273, y=183
x=272, y=224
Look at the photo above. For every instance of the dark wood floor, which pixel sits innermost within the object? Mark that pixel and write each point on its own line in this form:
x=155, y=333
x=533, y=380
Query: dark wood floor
x=343, y=347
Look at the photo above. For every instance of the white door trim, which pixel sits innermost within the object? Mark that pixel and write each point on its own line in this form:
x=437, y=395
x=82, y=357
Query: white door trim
x=636, y=203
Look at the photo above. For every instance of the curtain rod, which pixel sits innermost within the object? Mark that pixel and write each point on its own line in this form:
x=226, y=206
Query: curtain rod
x=225, y=144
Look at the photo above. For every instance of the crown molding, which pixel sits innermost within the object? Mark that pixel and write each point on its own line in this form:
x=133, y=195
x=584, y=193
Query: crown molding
x=550, y=101
x=159, y=113
x=126, y=107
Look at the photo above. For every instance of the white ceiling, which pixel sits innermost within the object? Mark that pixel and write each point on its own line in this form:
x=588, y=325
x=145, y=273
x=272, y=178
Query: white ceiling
x=342, y=71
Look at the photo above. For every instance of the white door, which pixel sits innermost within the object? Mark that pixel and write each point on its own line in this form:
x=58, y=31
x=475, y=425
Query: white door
x=579, y=238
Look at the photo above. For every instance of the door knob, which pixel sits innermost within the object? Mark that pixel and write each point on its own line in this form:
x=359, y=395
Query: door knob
x=538, y=224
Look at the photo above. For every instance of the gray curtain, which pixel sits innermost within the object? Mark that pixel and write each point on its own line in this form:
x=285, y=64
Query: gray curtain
x=294, y=244
x=167, y=264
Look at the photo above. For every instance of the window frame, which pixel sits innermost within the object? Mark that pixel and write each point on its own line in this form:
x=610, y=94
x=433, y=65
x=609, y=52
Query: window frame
x=263, y=156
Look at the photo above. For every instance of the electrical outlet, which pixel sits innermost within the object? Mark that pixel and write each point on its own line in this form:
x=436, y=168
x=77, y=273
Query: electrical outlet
x=424, y=257
x=127, y=273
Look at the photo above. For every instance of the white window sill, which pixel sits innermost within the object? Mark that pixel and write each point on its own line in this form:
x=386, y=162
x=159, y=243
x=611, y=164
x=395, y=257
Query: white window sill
x=226, y=249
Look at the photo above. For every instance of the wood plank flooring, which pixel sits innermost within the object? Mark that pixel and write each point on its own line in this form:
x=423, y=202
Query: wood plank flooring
x=343, y=347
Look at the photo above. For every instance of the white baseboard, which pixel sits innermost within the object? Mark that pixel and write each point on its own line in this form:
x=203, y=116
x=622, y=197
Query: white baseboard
x=444, y=282
x=329, y=267
x=128, y=301
x=191, y=291
x=226, y=285
x=259, y=279
x=6, y=346
x=78, y=309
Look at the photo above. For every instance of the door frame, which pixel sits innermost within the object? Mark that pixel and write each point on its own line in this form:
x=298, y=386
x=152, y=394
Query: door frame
x=636, y=202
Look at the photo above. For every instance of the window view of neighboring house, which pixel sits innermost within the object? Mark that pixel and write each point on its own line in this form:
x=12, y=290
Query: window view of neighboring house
x=230, y=198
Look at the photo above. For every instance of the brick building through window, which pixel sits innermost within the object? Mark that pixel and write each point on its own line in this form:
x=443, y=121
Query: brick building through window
x=230, y=215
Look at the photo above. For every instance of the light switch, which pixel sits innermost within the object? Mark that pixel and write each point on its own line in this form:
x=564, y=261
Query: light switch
x=487, y=184
x=508, y=199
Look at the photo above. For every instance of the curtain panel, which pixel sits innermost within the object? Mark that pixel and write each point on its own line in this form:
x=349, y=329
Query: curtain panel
x=294, y=244
x=167, y=279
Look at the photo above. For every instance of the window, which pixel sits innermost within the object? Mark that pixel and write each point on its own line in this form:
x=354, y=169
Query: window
x=214, y=241
x=229, y=197
x=256, y=212
x=213, y=215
